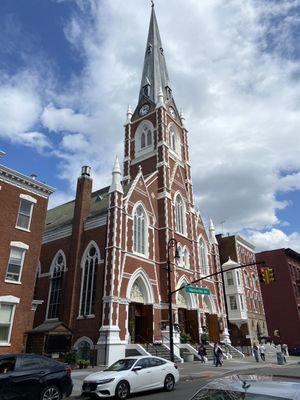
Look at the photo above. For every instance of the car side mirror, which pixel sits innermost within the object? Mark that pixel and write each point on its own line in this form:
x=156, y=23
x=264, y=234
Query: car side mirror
x=137, y=368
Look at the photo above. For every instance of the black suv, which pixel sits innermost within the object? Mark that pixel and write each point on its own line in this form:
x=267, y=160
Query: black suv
x=33, y=377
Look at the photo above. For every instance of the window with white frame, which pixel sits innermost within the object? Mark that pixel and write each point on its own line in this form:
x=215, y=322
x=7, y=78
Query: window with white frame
x=89, y=279
x=238, y=278
x=241, y=302
x=254, y=281
x=24, y=214
x=172, y=138
x=179, y=260
x=56, y=286
x=203, y=256
x=140, y=230
x=179, y=214
x=229, y=277
x=144, y=138
x=247, y=280
x=15, y=264
x=233, y=303
x=6, y=319
x=186, y=258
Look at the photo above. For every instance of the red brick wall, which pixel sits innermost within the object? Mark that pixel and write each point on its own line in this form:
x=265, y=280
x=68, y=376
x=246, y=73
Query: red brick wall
x=10, y=200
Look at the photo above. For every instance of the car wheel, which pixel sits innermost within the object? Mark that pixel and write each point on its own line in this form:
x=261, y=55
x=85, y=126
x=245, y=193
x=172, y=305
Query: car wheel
x=122, y=390
x=51, y=393
x=169, y=383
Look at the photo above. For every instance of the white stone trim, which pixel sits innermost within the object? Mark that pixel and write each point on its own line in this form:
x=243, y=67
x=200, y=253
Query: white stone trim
x=9, y=299
x=83, y=339
x=20, y=245
x=55, y=234
x=28, y=198
x=142, y=275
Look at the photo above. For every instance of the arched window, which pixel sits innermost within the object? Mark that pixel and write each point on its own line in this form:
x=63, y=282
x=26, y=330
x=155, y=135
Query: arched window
x=140, y=226
x=186, y=258
x=57, y=267
x=84, y=350
x=89, y=279
x=247, y=280
x=144, y=137
x=179, y=214
x=203, y=256
x=179, y=260
x=254, y=282
x=172, y=138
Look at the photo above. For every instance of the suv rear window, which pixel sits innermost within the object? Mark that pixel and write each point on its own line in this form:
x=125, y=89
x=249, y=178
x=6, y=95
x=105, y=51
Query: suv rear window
x=30, y=362
x=7, y=364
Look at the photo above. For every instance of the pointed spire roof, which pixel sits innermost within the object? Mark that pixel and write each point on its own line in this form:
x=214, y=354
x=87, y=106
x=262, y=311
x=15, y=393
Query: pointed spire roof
x=212, y=232
x=155, y=74
x=116, y=185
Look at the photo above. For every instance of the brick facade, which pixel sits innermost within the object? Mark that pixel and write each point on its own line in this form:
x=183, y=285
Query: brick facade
x=16, y=295
x=282, y=298
x=249, y=323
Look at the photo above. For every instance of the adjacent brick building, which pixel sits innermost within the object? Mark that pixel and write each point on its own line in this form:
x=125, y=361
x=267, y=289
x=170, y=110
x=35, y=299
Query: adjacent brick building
x=102, y=274
x=243, y=294
x=282, y=298
x=23, y=203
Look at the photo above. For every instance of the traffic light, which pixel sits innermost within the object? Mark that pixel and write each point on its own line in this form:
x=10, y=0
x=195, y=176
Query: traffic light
x=266, y=275
x=271, y=275
x=263, y=275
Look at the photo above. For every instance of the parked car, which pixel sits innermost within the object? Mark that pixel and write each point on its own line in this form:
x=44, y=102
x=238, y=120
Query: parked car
x=295, y=351
x=33, y=377
x=132, y=375
x=252, y=387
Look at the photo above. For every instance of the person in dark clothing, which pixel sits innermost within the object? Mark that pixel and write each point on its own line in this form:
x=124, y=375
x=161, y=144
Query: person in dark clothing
x=218, y=355
x=202, y=353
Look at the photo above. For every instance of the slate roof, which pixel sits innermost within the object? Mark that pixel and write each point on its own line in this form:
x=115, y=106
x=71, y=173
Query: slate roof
x=63, y=215
x=155, y=71
x=48, y=327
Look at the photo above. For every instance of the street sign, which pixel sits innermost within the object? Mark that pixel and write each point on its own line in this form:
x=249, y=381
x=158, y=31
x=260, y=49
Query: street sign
x=197, y=290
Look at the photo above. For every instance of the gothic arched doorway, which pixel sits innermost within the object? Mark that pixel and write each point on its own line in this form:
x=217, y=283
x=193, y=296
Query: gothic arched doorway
x=140, y=315
x=187, y=318
x=212, y=322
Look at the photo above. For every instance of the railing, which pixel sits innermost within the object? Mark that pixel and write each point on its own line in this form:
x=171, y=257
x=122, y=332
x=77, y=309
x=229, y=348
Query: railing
x=144, y=341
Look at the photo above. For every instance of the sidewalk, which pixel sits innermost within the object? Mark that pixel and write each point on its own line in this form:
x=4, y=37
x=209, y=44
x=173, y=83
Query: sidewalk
x=196, y=370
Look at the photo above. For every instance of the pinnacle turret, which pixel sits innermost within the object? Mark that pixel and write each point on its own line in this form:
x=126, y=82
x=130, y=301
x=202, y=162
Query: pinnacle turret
x=116, y=178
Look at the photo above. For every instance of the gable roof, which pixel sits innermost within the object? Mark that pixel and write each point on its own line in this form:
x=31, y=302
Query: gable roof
x=63, y=215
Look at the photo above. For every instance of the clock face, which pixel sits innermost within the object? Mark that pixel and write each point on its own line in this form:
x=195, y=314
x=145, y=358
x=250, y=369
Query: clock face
x=172, y=112
x=144, y=110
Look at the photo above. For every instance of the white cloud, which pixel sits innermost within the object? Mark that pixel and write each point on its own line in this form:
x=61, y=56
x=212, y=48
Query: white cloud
x=274, y=239
x=234, y=69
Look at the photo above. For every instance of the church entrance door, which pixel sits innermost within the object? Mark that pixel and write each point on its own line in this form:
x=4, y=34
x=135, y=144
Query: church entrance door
x=213, y=327
x=140, y=322
x=188, y=323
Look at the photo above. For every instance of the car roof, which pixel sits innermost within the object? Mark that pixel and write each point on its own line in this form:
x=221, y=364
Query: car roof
x=282, y=388
x=139, y=357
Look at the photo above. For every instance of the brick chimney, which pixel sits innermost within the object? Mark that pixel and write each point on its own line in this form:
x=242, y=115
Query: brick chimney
x=81, y=212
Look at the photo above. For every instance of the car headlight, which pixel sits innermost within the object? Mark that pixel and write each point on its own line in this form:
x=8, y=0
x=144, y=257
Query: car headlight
x=105, y=381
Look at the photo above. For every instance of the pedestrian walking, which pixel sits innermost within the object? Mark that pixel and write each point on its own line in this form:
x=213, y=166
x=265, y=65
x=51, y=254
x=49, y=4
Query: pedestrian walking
x=218, y=355
x=262, y=351
x=255, y=352
x=202, y=353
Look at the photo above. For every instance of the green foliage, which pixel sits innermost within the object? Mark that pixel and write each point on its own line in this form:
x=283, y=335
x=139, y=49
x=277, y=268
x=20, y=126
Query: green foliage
x=205, y=338
x=185, y=337
x=70, y=358
x=83, y=363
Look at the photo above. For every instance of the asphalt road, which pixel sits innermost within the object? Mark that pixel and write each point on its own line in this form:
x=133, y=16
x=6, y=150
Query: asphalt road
x=184, y=390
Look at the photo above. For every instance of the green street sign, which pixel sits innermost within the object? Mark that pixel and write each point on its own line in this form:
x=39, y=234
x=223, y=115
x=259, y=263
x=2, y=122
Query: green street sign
x=197, y=290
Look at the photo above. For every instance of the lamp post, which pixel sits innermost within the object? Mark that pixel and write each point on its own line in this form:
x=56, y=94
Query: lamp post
x=171, y=243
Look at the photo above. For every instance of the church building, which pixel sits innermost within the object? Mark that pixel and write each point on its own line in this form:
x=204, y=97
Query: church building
x=102, y=272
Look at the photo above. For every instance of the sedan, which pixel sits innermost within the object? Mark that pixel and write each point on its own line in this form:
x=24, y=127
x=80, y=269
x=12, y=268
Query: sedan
x=33, y=377
x=240, y=387
x=132, y=375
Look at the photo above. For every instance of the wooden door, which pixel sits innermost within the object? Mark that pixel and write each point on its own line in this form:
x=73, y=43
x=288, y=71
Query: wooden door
x=147, y=323
x=213, y=327
x=192, y=325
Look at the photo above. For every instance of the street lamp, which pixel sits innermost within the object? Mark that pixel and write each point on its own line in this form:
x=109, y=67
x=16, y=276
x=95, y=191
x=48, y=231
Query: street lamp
x=171, y=243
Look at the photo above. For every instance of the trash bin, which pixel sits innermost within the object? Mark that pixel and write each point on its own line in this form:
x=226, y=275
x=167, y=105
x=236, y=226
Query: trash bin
x=280, y=359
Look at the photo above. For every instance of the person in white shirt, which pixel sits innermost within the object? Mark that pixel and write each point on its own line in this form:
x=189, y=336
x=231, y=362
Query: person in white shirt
x=262, y=351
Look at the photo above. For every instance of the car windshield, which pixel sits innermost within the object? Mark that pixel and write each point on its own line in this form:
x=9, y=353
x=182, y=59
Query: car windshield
x=122, y=365
x=211, y=394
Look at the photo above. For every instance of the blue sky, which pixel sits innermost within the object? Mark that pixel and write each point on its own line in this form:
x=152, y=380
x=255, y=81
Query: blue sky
x=69, y=69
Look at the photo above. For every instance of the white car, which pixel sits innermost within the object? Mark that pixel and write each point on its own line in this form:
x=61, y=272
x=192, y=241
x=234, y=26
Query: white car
x=131, y=375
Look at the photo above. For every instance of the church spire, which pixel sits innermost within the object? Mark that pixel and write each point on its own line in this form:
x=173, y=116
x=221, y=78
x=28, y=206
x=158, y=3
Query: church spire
x=155, y=74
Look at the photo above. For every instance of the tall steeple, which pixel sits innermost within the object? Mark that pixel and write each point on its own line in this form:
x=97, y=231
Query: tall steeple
x=155, y=74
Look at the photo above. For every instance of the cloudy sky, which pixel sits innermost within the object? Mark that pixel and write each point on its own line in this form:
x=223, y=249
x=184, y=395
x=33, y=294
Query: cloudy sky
x=69, y=69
